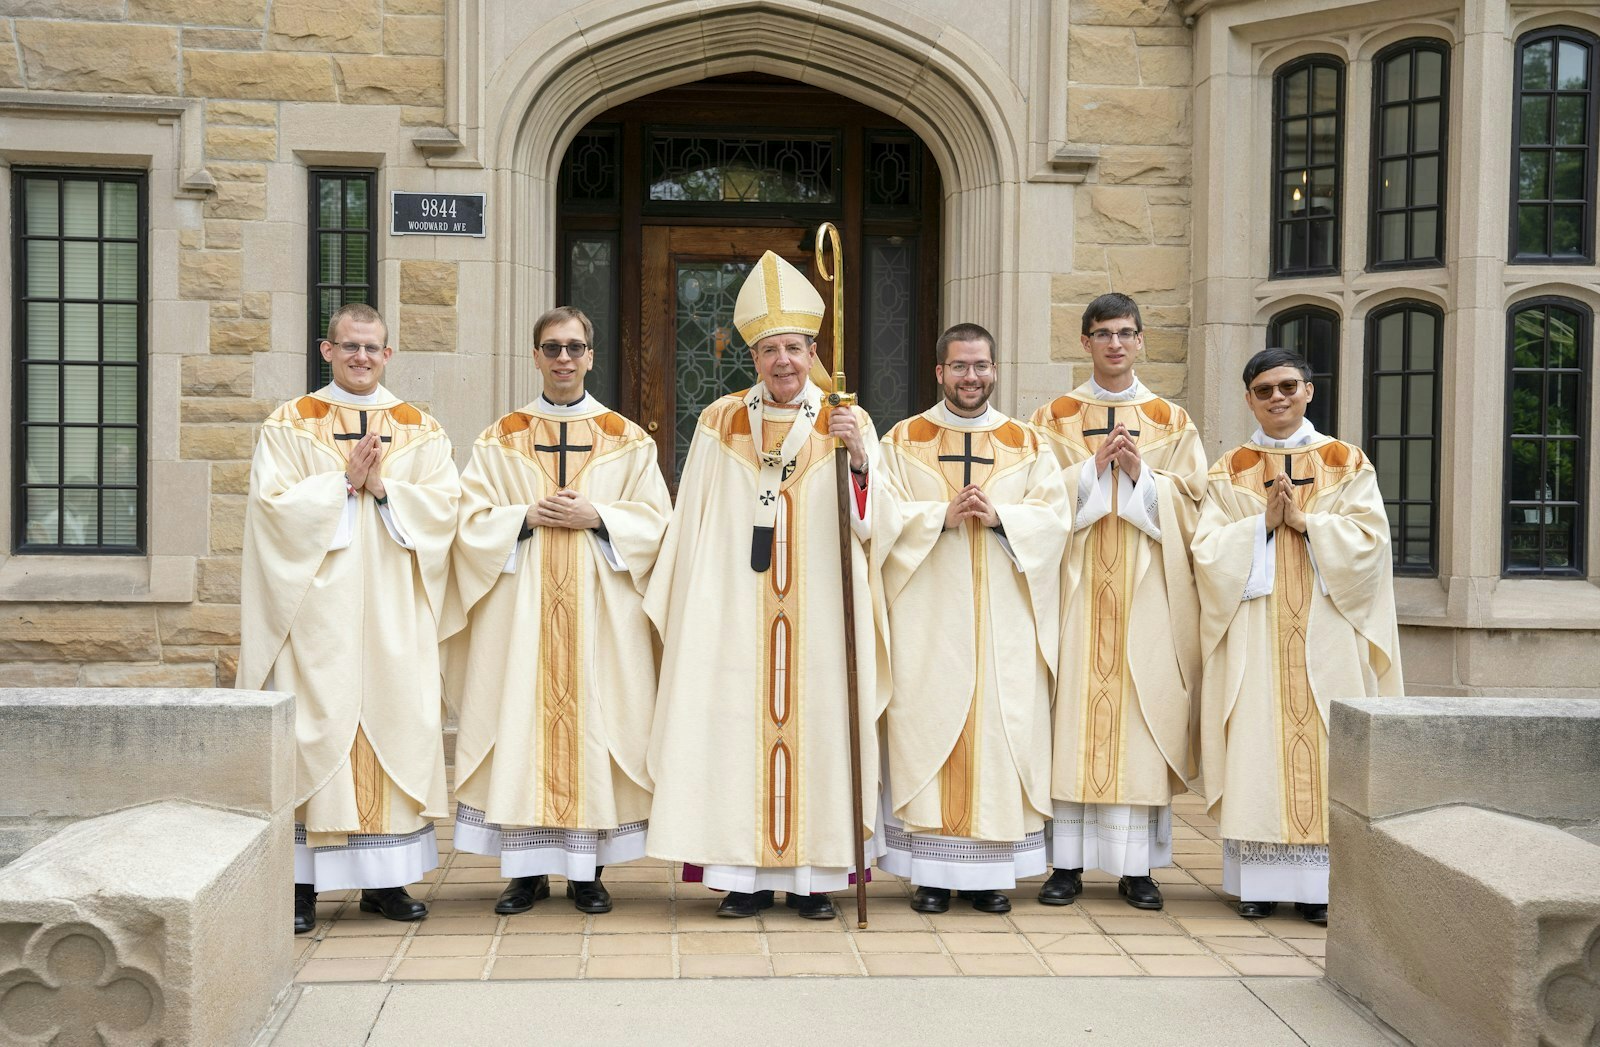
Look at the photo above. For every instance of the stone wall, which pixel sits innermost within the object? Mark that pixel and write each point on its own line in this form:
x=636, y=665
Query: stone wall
x=1128, y=68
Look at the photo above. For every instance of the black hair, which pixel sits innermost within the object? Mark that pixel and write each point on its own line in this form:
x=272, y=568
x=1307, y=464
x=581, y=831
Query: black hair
x=1110, y=306
x=1269, y=359
x=963, y=333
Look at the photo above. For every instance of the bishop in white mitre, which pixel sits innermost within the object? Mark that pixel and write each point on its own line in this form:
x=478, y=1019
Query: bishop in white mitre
x=749, y=753
x=1296, y=583
x=1129, y=655
x=971, y=570
x=550, y=658
x=348, y=527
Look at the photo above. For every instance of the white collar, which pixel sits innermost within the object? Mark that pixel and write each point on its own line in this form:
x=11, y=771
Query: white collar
x=950, y=420
x=582, y=405
x=334, y=391
x=1299, y=438
x=787, y=405
x=1133, y=391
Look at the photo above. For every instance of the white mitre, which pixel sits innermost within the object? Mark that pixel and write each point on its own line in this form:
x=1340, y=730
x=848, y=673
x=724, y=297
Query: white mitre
x=777, y=299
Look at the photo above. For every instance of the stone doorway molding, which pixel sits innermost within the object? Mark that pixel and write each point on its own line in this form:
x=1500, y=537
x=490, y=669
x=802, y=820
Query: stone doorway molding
x=937, y=81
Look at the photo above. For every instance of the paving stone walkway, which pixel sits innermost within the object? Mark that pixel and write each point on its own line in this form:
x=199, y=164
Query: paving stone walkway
x=664, y=928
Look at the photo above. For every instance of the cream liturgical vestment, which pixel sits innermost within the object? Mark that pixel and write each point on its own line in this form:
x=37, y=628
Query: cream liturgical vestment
x=972, y=615
x=552, y=667
x=341, y=601
x=1289, y=622
x=749, y=753
x=1129, y=651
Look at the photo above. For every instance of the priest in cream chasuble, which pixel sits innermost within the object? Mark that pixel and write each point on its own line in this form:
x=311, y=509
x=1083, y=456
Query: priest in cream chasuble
x=1129, y=644
x=971, y=573
x=351, y=513
x=749, y=753
x=1296, y=587
x=550, y=660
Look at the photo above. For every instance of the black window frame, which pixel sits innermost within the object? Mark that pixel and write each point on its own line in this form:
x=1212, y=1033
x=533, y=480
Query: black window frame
x=1326, y=383
x=1580, y=484
x=1407, y=437
x=1375, y=211
x=315, y=378
x=1586, y=256
x=1280, y=266
x=20, y=361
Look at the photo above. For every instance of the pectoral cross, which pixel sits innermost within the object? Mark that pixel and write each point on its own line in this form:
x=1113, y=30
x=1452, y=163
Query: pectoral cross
x=1288, y=470
x=967, y=460
x=560, y=448
x=360, y=433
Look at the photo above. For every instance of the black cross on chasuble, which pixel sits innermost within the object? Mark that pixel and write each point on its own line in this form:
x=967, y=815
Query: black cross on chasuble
x=361, y=432
x=560, y=449
x=967, y=460
x=1111, y=423
x=1288, y=470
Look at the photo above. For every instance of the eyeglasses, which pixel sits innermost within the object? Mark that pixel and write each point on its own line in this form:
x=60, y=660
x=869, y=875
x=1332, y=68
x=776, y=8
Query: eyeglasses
x=960, y=368
x=553, y=350
x=1264, y=392
x=352, y=348
x=1103, y=337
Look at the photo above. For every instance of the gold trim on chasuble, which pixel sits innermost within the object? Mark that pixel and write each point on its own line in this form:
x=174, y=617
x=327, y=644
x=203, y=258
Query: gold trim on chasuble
x=560, y=450
x=371, y=784
x=1303, y=738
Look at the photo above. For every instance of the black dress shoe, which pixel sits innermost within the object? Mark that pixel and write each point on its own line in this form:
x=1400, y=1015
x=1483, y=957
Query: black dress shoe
x=738, y=904
x=589, y=895
x=812, y=906
x=1062, y=888
x=1256, y=910
x=931, y=899
x=1313, y=912
x=392, y=903
x=305, y=907
x=1140, y=891
x=988, y=901
x=520, y=894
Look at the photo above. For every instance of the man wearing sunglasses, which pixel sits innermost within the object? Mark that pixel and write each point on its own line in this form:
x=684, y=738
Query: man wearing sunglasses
x=1128, y=660
x=348, y=528
x=1297, y=608
x=549, y=657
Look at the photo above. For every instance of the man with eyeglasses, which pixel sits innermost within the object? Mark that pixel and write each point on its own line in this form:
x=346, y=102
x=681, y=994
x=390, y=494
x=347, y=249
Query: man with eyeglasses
x=348, y=528
x=549, y=658
x=1128, y=657
x=1297, y=600
x=971, y=571
x=750, y=750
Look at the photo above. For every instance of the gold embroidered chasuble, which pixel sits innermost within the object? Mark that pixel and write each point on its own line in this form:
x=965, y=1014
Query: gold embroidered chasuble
x=1273, y=664
x=973, y=632
x=352, y=632
x=749, y=752
x=552, y=666
x=1129, y=648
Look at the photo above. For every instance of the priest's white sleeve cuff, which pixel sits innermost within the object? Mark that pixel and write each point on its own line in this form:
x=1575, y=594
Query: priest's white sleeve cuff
x=511, y=559
x=391, y=523
x=1263, y=567
x=347, y=525
x=1312, y=555
x=1139, y=504
x=609, y=551
x=1097, y=502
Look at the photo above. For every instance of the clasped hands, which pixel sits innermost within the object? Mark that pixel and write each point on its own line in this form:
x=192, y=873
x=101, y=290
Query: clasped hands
x=1281, y=506
x=1119, y=449
x=364, y=465
x=970, y=503
x=565, y=508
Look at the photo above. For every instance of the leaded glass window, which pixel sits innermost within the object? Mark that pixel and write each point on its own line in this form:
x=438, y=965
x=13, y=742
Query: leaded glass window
x=1547, y=412
x=693, y=168
x=710, y=359
x=1314, y=334
x=79, y=300
x=1552, y=178
x=591, y=169
x=1404, y=342
x=591, y=285
x=889, y=290
x=893, y=180
x=1307, y=150
x=1409, y=126
x=344, y=255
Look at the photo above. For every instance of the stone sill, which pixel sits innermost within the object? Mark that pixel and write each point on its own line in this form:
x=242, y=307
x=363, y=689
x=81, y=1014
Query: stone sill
x=98, y=579
x=1498, y=603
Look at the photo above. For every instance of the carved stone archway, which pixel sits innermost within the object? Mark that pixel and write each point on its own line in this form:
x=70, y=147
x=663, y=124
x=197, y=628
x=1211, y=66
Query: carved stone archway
x=965, y=108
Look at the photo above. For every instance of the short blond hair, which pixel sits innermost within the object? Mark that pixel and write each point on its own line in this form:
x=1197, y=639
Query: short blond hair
x=560, y=315
x=357, y=312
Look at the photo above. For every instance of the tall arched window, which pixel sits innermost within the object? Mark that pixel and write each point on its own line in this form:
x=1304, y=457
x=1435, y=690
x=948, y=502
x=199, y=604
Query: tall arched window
x=1307, y=154
x=1409, y=128
x=1552, y=163
x=1547, y=411
x=1313, y=332
x=1404, y=342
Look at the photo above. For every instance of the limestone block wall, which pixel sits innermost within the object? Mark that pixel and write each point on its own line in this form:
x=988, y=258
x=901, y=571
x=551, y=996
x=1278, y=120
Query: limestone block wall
x=1129, y=99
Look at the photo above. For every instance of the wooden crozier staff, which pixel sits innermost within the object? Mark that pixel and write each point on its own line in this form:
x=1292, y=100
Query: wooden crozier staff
x=827, y=236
